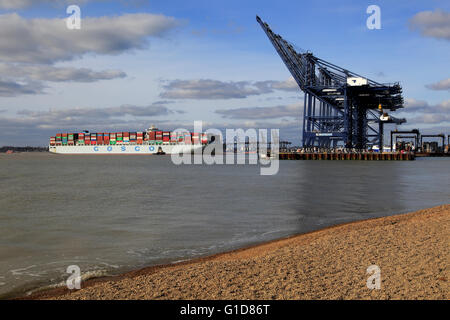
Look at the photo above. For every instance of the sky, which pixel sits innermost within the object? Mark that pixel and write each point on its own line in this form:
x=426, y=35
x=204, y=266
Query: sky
x=136, y=63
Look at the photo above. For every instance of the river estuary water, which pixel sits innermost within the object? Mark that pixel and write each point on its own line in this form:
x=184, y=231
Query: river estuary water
x=110, y=214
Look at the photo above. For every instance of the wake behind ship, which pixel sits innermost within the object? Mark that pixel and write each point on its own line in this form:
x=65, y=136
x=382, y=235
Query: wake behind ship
x=151, y=141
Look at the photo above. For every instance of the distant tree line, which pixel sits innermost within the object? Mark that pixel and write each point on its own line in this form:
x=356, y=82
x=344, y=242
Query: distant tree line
x=23, y=149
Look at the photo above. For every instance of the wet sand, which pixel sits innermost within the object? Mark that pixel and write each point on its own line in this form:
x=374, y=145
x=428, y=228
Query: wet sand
x=411, y=250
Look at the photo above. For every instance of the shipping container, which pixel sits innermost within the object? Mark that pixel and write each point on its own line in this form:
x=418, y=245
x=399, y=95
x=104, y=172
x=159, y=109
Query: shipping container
x=204, y=138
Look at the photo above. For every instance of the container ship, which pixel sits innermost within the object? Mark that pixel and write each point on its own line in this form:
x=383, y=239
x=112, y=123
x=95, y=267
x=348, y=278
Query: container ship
x=151, y=141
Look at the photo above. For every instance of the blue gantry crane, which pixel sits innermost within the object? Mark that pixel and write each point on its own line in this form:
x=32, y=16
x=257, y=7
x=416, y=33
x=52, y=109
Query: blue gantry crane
x=340, y=106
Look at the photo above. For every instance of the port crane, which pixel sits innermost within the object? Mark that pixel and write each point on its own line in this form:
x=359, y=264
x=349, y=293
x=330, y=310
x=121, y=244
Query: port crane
x=340, y=106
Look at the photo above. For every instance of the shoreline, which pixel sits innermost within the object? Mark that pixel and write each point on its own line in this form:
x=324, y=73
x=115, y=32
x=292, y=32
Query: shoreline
x=242, y=261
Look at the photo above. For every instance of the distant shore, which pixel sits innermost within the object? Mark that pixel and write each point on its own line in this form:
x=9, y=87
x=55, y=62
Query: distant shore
x=411, y=251
x=8, y=149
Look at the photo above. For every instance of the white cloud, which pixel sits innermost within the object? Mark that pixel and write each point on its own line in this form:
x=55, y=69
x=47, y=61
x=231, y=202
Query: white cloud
x=413, y=105
x=430, y=114
x=11, y=88
x=47, y=41
x=434, y=24
x=431, y=118
x=215, y=89
x=293, y=111
x=30, y=47
x=21, y=4
x=84, y=116
x=57, y=74
x=288, y=85
x=441, y=85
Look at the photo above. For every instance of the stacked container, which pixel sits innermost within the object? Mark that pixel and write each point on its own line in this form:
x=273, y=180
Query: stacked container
x=173, y=137
x=64, y=139
x=187, y=138
x=152, y=136
x=126, y=137
x=132, y=137
x=112, y=138
x=139, y=137
x=204, y=138
x=159, y=137
x=59, y=139
x=93, y=139
x=80, y=140
x=195, y=138
x=106, y=138
x=87, y=139
x=119, y=137
x=70, y=141
x=100, y=138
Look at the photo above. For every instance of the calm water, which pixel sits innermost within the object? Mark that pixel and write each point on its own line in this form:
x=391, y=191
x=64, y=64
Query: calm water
x=110, y=214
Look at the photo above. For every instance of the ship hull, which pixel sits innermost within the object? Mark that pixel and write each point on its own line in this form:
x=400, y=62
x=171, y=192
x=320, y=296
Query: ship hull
x=126, y=149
